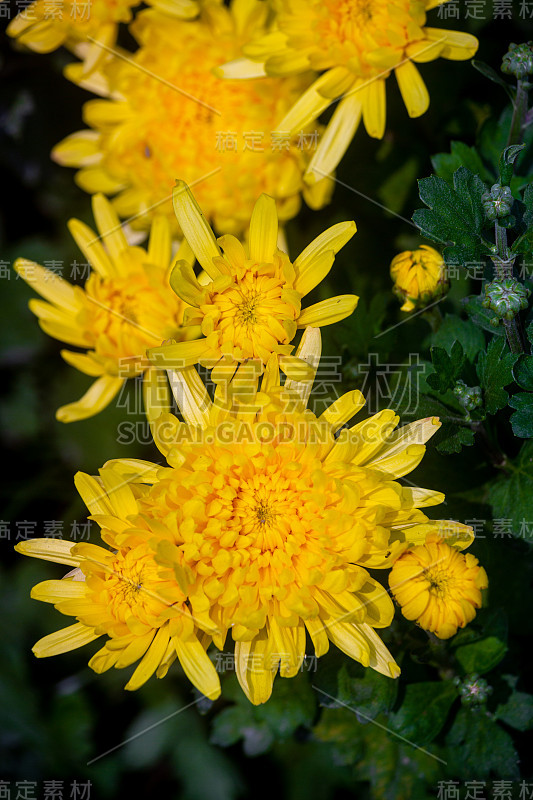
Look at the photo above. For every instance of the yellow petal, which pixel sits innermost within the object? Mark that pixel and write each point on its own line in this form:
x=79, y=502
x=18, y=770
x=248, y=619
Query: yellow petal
x=49, y=285
x=306, y=109
x=91, y=247
x=84, y=363
x=309, y=350
x=198, y=667
x=119, y=494
x=191, y=396
x=328, y=311
x=156, y=394
x=64, y=640
x=337, y=137
x=374, y=107
x=264, y=230
x=109, y=227
x=150, y=661
x=177, y=356
x=254, y=673
x=342, y=410
x=100, y=394
x=160, y=244
x=413, y=89
x=92, y=494
x=240, y=68
x=56, y=591
x=195, y=228
x=458, y=46
x=57, y=550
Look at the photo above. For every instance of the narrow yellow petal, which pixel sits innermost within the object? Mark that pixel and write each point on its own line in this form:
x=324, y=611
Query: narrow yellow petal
x=109, y=227
x=160, y=243
x=57, y=550
x=241, y=68
x=263, y=230
x=374, y=107
x=198, y=667
x=84, y=363
x=254, y=675
x=179, y=355
x=98, y=396
x=134, y=470
x=119, y=494
x=309, y=350
x=185, y=284
x=56, y=591
x=191, y=396
x=306, y=109
x=93, y=495
x=195, y=228
x=413, y=89
x=48, y=285
x=156, y=393
x=337, y=137
x=328, y=311
x=64, y=640
x=92, y=248
x=150, y=661
x=458, y=46
x=343, y=409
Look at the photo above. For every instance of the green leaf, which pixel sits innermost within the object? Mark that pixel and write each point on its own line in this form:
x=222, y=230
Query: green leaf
x=495, y=370
x=370, y=694
x=454, y=216
x=481, y=316
x=511, y=495
x=447, y=367
x=445, y=164
x=482, y=656
x=457, y=438
x=478, y=746
x=522, y=419
x=517, y=711
x=494, y=76
x=453, y=329
x=507, y=159
x=523, y=372
x=424, y=711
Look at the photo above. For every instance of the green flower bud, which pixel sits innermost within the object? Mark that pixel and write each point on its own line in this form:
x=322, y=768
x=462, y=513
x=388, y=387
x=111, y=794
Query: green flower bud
x=468, y=396
x=497, y=202
x=474, y=691
x=506, y=297
x=518, y=60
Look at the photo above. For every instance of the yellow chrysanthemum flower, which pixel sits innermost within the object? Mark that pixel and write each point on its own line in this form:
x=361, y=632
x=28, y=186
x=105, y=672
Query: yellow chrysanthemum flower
x=44, y=28
x=169, y=117
x=438, y=586
x=419, y=277
x=357, y=43
x=125, y=307
x=120, y=593
x=251, y=307
x=264, y=524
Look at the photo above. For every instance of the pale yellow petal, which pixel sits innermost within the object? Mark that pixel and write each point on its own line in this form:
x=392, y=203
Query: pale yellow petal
x=95, y=399
x=57, y=550
x=64, y=640
x=413, y=89
x=196, y=228
x=328, y=311
x=263, y=230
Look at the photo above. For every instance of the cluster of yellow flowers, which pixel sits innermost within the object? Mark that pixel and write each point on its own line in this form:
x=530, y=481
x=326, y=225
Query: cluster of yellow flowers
x=267, y=518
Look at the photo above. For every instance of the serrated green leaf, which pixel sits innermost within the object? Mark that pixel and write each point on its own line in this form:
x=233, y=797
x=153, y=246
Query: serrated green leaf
x=522, y=419
x=482, y=656
x=424, y=711
x=517, y=711
x=452, y=329
x=478, y=746
x=461, y=155
x=495, y=370
x=447, y=367
x=510, y=496
x=454, y=215
x=507, y=160
x=458, y=437
x=370, y=694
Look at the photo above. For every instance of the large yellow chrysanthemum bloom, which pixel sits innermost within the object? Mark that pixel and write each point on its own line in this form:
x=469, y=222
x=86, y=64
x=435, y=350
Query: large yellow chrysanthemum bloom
x=264, y=524
x=125, y=307
x=45, y=26
x=168, y=117
x=251, y=307
x=438, y=586
x=419, y=277
x=357, y=43
x=119, y=592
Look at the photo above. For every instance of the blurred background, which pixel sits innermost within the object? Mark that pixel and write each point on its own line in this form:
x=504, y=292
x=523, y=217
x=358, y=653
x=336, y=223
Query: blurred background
x=58, y=720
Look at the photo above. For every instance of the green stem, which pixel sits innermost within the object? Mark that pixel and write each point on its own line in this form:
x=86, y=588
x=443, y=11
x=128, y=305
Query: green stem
x=519, y=114
x=503, y=267
x=434, y=318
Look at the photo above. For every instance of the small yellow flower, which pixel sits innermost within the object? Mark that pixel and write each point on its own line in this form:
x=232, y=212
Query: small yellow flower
x=419, y=277
x=91, y=22
x=251, y=306
x=356, y=44
x=167, y=116
x=119, y=592
x=125, y=307
x=438, y=586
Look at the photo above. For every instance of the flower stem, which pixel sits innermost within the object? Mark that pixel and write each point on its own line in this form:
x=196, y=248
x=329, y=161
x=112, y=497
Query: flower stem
x=503, y=267
x=519, y=114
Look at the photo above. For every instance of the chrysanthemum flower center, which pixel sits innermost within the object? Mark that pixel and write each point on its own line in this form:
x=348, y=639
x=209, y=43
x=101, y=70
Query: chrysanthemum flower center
x=440, y=581
x=122, y=317
x=223, y=127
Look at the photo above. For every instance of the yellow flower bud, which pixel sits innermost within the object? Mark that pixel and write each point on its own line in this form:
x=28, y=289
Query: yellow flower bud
x=438, y=586
x=419, y=277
